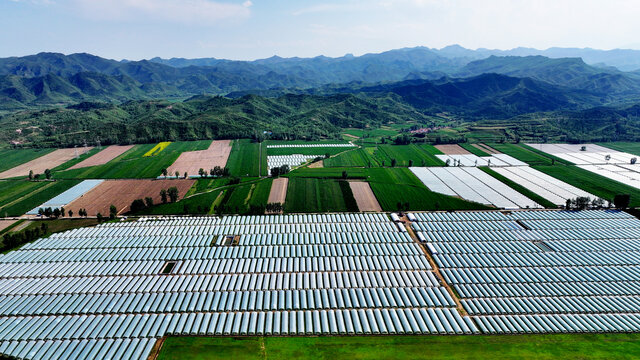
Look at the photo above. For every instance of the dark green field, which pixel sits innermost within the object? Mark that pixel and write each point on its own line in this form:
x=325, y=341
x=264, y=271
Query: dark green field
x=630, y=147
x=10, y=190
x=316, y=195
x=404, y=154
x=469, y=347
x=14, y=157
x=244, y=159
x=593, y=183
x=352, y=158
x=474, y=150
x=33, y=199
x=399, y=185
x=133, y=165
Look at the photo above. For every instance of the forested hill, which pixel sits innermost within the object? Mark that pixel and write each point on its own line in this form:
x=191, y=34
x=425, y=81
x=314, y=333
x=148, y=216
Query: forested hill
x=50, y=79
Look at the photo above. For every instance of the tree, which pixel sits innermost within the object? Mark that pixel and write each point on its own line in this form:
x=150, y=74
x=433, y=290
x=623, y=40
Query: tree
x=177, y=174
x=137, y=205
x=327, y=155
x=393, y=162
x=47, y=174
x=569, y=204
x=113, y=212
x=202, y=173
x=100, y=217
x=48, y=212
x=36, y=176
x=410, y=163
x=344, y=175
x=70, y=212
x=173, y=194
x=40, y=212
x=148, y=201
x=62, y=211
x=185, y=174
x=164, y=172
x=56, y=213
x=275, y=172
x=582, y=202
x=30, y=174
x=621, y=201
x=163, y=196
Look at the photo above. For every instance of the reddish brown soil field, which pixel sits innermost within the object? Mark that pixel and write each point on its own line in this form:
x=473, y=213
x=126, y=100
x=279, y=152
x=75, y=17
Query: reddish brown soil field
x=6, y=223
x=452, y=149
x=486, y=148
x=103, y=156
x=49, y=161
x=122, y=192
x=364, y=196
x=278, y=193
x=192, y=161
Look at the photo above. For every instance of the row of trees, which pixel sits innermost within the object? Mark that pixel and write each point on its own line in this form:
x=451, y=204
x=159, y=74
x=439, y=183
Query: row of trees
x=274, y=208
x=12, y=240
x=280, y=170
x=47, y=175
x=60, y=212
x=620, y=202
x=217, y=171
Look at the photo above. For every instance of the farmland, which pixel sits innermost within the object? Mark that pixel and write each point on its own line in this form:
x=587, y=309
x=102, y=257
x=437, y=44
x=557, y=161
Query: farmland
x=103, y=157
x=40, y=164
x=14, y=157
x=318, y=195
x=133, y=164
x=32, y=199
x=157, y=149
x=351, y=158
x=192, y=161
x=121, y=193
x=244, y=159
x=523, y=153
x=542, y=347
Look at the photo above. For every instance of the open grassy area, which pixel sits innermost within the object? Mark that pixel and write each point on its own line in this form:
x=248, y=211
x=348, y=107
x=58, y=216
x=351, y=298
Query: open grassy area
x=504, y=347
x=399, y=185
x=14, y=157
x=519, y=188
x=593, y=183
x=34, y=198
x=317, y=195
x=133, y=164
x=244, y=159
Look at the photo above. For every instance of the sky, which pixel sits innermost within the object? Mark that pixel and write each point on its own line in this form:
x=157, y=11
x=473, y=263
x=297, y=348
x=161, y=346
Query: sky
x=254, y=29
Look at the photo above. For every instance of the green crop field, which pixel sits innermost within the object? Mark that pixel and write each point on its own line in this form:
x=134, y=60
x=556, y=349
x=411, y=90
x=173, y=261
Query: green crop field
x=10, y=190
x=333, y=173
x=133, y=165
x=593, y=183
x=433, y=347
x=244, y=159
x=14, y=157
x=35, y=198
x=315, y=195
x=630, y=147
x=399, y=185
x=404, y=154
x=352, y=158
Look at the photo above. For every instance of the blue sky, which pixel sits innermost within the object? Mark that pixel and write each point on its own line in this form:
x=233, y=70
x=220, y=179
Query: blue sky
x=251, y=29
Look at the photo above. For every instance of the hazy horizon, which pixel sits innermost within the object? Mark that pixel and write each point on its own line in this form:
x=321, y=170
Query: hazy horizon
x=249, y=30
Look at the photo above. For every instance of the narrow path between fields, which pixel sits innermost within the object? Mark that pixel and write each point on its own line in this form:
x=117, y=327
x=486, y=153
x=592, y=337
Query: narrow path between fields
x=434, y=266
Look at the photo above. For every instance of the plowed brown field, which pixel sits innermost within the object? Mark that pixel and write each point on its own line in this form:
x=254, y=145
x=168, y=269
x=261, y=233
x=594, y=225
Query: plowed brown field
x=278, y=193
x=121, y=193
x=452, y=149
x=364, y=196
x=49, y=161
x=192, y=161
x=102, y=157
x=6, y=223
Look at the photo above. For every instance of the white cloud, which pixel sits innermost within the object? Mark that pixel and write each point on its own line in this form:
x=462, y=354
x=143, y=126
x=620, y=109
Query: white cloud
x=178, y=11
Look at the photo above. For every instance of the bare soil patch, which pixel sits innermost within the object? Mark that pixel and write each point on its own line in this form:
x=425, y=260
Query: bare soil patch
x=351, y=136
x=121, y=193
x=192, y=161
x=452, y=149
x=486, y=148
x=6, y=223
x=317, y=164
x=103, y=156
x=364, y=196
x=278, y=193
x=49, y=161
